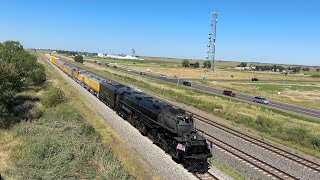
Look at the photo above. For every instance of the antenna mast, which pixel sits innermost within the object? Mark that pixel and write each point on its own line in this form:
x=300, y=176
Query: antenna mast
x=133, y=53
x=212, y=39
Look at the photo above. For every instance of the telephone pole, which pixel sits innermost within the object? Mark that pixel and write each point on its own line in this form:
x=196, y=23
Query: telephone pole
x=212, y=39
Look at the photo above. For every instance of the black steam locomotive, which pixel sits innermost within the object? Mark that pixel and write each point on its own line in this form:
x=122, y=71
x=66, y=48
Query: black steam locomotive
x=168, y=127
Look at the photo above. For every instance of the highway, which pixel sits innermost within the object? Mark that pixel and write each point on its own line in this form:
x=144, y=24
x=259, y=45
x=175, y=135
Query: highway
x=243, y=97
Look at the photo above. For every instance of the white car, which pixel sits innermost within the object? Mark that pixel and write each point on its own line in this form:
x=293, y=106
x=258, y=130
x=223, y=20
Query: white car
x=261, y=100
x=129, y=70
x=162, y=76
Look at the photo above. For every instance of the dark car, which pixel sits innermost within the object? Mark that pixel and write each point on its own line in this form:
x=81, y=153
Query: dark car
x=115, y=67
x=229, y=93
x=142, y=73
x=187, y=83
x=254, y=79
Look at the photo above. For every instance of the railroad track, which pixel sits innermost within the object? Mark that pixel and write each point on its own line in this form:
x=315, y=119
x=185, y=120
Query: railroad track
x=270, y=170
x=276, y=150
x=205, y=176
x=264, y=167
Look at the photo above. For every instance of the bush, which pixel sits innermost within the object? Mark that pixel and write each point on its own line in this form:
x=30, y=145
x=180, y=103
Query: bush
x=53, y=97
x=316, y=76
x=265, y=124
x=78, y=58
x=38, y=76
x=185, y=63
x=206, y=64
x=316, y=142
x=196, y=65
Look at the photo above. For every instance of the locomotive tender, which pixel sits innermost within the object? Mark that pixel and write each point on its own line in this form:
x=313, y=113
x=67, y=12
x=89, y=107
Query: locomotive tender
x=169, y=127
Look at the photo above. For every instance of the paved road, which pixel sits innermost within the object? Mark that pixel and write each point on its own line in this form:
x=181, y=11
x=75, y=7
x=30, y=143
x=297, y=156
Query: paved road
x=243, y=97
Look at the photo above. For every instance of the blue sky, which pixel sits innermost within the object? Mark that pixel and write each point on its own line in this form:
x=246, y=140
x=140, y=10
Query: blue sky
x=275, y=31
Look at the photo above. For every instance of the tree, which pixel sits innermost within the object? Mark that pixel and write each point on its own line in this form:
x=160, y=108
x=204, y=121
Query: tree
x=185, y=63
x=206, y=64
x=296, y=69
x=78, y=58
x=196, y=65
x=243, y=64
x=318, y=69
x=38, y=76
x=306, y=69
x=16, y=66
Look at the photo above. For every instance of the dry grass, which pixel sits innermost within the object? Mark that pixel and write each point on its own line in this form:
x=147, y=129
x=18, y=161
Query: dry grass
x=224, y=70
x=8, y=145
x=306, y=95
x=190, y=73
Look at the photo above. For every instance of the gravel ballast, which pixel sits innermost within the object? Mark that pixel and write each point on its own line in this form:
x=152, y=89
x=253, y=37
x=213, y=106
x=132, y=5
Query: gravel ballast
x=160, y=162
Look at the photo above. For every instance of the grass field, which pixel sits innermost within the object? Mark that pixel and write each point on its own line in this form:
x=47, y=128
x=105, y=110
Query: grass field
x=302, y=94
x=172, y=68
x=69, y=141
x=299, y=132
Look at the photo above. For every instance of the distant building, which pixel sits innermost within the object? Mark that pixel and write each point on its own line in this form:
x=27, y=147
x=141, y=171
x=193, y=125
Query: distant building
x=251, y=68
x=100, y=55
x=122, y=57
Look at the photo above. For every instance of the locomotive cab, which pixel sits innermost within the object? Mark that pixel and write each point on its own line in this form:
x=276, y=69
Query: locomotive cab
x=184, y=124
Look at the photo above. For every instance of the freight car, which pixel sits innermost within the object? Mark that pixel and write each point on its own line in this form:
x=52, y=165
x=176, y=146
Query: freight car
x=169, y=127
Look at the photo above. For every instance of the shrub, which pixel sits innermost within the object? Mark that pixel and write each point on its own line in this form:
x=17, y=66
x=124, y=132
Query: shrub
x=38, y=76
x=78, y=58
x=265, y=124
x=53, y=97
x=196, y=65
x=316, y=76
x=206, y=64
x=185, y=63
x=316, y=142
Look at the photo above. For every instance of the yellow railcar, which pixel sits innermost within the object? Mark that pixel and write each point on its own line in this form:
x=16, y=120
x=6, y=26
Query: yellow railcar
x=92, y=82
x=81, y=75
x=53, y=59
x=59, y=63
x=67, y=69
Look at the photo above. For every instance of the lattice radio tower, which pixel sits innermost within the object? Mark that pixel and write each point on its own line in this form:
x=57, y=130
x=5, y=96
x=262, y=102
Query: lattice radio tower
x=212, y=39
x=133, y=53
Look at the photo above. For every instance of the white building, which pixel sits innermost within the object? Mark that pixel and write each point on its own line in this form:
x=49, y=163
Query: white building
x=122, y=57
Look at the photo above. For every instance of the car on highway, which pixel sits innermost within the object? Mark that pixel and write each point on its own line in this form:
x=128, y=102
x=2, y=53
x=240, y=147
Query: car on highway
x=261, y=100
x=187, y=83
x=229, y=93
x=163, y=76
x=129, y=70
x=254, y=79
x=142, y=73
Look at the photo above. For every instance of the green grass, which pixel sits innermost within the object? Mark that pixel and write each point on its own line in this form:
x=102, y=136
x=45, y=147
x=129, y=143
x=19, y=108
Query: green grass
x=227, y=170
x=277, y=87
x=310, y=72
x=62, y=145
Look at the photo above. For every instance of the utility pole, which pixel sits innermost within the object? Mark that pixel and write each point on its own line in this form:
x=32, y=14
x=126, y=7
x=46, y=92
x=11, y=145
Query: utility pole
x=212, y=39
